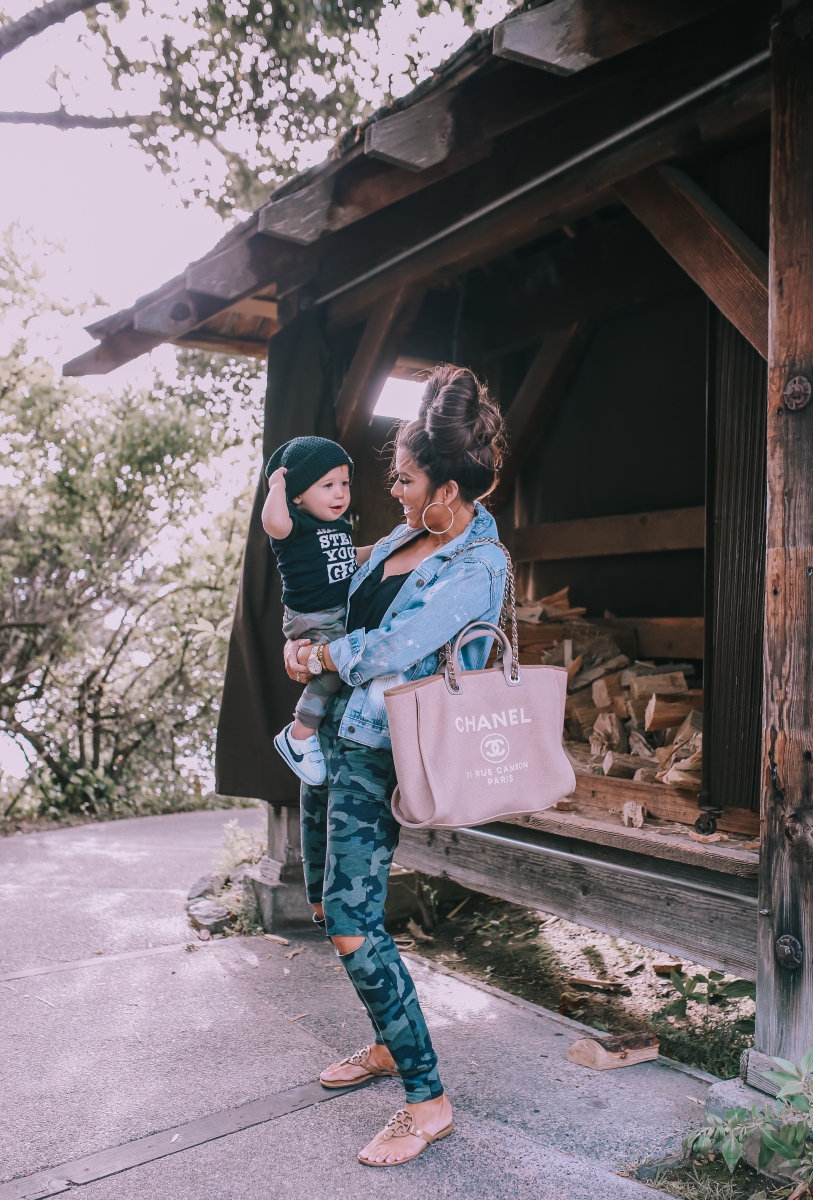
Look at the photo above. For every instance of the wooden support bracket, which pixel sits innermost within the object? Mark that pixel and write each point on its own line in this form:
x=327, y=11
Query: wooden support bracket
x=565, y=36
x=711, y=249
x=373, y=361
x=418, y=137
x=536, y=399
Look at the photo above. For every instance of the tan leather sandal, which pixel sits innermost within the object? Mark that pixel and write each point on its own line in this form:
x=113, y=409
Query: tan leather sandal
x=403, y=1125
x=360, y=1059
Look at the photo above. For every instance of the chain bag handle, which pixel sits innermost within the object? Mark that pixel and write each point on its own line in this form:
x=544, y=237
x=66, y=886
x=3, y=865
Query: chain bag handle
x=508, y=611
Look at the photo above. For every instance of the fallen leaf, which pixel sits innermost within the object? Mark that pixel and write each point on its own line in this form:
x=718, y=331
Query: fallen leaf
x=276, y=939
x=417, y=932
x=285, y=971
x=299, y=1016
x=708, y=837
x=694, y=1100
x=174, y=1139
x=635, y=968
x=292, y=953
x=666, y=968
x=752, y=846
x=487, y=943
x=543, y=1055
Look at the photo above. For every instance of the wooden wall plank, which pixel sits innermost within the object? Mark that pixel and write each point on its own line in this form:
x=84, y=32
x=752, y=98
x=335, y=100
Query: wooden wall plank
x=637, y=899
x=565, y=36
x=719, y=257
x=666, y=803
x=633, y=533
x=534, y=403
x=785, y=990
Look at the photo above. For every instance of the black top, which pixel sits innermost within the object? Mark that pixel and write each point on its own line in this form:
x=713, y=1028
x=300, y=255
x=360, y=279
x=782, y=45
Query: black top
x=370, y=602
x=316, y=561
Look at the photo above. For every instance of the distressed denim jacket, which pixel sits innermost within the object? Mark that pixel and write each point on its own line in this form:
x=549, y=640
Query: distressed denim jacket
x=437, y=600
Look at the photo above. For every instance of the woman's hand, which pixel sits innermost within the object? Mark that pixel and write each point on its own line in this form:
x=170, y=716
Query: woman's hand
x=296, y=660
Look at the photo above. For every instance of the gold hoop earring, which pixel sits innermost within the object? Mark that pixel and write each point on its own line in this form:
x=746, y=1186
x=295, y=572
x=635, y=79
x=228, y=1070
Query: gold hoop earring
x=439, y=504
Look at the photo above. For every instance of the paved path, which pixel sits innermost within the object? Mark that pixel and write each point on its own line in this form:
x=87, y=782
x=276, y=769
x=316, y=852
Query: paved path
x=93, y=1057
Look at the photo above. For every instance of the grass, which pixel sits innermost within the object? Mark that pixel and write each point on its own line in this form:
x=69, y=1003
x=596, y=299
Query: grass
x=710, y=1181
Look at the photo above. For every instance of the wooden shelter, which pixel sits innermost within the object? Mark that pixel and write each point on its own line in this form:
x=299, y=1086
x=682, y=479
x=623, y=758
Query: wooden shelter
x=605, y=209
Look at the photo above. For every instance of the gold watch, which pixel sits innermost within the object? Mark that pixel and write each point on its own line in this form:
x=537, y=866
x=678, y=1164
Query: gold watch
x=315, y=663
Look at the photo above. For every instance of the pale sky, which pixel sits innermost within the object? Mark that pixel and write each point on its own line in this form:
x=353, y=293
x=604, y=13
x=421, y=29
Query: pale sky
x=123, y=229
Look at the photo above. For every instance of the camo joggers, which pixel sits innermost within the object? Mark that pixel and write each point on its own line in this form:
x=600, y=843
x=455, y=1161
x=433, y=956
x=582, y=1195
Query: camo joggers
x=349, y=836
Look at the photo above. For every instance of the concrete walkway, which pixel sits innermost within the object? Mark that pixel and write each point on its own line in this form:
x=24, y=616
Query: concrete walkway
x=93, y=1057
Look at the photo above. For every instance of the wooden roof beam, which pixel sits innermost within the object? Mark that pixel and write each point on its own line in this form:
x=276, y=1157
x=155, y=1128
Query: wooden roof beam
x=575, y=184
x=711, y=249
x=631, y=533
x=565, y=36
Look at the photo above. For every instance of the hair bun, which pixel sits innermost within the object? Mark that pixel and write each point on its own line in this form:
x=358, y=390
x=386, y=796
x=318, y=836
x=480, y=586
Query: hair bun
x=457, y=413
x=459, y=433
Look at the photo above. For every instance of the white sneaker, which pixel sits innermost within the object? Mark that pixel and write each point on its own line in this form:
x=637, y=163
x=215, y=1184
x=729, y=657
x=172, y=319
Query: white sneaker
x=304, y=756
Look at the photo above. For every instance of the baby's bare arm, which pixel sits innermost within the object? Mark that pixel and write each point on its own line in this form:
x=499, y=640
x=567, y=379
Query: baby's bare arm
x=277, y=521
x=363, y=553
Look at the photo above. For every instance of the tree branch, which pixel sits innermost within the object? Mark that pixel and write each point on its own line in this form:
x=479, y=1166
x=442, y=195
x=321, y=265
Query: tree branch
x=55, y=12
x=65, y=120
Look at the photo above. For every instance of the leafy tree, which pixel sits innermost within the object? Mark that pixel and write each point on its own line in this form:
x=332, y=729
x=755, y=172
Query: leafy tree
x=116, y=590
x=244, y=77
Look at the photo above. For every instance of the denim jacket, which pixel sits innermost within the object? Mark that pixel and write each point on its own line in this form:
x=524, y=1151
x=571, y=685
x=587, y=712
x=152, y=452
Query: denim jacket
x=437, y=600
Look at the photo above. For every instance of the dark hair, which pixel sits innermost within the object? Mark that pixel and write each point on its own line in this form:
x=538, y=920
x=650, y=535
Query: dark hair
x=459, y=433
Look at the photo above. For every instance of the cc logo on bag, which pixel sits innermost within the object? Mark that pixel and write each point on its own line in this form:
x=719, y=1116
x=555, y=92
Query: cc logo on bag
x=494, y=747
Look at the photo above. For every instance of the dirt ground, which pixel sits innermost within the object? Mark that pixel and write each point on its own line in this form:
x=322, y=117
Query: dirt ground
x=539, y=957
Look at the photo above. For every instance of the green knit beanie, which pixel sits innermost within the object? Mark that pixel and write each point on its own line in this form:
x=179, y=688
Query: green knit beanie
x=307, y=459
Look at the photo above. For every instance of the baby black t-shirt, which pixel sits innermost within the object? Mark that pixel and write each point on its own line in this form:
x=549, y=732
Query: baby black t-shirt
x=316, y=562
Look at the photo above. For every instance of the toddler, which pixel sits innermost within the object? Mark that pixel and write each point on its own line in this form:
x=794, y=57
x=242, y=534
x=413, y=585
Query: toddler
x=309, y=493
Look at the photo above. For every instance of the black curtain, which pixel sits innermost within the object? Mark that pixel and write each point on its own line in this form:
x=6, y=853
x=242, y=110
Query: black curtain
x=735, y=514
x=258, y=697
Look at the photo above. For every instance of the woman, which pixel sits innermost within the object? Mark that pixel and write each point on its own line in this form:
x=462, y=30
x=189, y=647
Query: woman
x=406, y=602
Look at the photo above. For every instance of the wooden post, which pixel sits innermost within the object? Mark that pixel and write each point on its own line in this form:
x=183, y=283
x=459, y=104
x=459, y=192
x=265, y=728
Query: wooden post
x=785, y=938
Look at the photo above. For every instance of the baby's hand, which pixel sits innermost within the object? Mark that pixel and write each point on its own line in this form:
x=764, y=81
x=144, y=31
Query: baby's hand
x=277, y=476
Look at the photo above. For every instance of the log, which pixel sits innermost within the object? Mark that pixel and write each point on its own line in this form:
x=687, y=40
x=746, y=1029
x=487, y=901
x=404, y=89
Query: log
x=565, y=36
x=606, y=689
x=620, y=766
x=604, y=1054
x=713, y=251
x=633, y=533
x=784, y=1018
x=671, y=684
x=667, y=712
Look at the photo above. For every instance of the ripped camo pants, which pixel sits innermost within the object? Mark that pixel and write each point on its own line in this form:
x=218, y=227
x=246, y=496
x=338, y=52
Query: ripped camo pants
x=349, y=836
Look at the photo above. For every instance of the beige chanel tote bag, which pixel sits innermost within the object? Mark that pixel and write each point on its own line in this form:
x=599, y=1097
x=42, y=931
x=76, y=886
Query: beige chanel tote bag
x=478, y=746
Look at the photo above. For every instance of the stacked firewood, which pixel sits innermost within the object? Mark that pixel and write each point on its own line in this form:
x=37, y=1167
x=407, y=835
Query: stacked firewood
x=627, y=718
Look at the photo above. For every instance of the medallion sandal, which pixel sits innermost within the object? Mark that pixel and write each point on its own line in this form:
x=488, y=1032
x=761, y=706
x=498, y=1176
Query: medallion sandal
x=361, y=1059
x=403, y=1125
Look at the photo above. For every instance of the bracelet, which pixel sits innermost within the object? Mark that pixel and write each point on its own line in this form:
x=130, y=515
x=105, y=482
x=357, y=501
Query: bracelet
x=320, y=654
